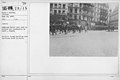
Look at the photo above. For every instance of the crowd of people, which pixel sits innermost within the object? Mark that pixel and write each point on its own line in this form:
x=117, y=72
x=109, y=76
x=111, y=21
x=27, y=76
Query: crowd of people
x=66, y=28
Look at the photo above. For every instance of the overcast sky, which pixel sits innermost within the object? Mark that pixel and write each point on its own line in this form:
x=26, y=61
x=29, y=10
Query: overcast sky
x=112, y=5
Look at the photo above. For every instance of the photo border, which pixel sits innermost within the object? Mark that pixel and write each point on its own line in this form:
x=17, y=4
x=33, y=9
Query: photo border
x=69, y=74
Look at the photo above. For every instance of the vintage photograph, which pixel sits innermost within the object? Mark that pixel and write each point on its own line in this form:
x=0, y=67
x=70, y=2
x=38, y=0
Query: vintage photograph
x=84, y=29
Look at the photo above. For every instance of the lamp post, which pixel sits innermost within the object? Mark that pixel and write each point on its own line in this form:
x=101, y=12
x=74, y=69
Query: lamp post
x=110, y=15
x=109, y=20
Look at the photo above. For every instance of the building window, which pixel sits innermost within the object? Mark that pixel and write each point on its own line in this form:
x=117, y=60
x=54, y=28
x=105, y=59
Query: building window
x=71, y=10
x=75, y=10
x=80, y=5
x=55, y=5
x=63, y=11
x=80, y=17
x=80, y=10
x=75, y=5
x=59, y=11
x=51, y=5
x=71, y=4
x=75, y=17
x=59, y=5
x=64, y=6
x=55, y=11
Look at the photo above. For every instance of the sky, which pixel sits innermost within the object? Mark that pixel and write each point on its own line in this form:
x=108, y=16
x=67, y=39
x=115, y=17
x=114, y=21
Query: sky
x=112, y=5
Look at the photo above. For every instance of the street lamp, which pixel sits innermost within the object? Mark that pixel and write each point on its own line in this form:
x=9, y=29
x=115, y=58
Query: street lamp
x=109, y=20
x=110, y=16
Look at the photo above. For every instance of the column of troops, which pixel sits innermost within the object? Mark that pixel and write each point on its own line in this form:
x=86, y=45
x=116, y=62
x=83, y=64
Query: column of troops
x=64, y=28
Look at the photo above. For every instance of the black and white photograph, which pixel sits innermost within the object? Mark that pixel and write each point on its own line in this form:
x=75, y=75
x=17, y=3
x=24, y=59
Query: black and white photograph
x=59, y=40
x=83, y=29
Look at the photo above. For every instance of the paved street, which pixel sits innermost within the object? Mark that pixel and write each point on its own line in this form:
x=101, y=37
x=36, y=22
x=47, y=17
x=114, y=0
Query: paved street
x=90, y=44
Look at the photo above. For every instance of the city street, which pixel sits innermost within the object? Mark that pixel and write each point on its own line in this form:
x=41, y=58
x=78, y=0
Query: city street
x=89, y=44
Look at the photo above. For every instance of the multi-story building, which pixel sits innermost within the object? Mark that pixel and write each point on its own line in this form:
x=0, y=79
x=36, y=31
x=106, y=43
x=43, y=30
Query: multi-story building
x=77, y=12
x=91, y=12
x=58, y=8
x=100, y=13
x=96, y=13
x=58, y=11
x=74, y=11
x=113, y=17
x=80, y=11
x=104, y=9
